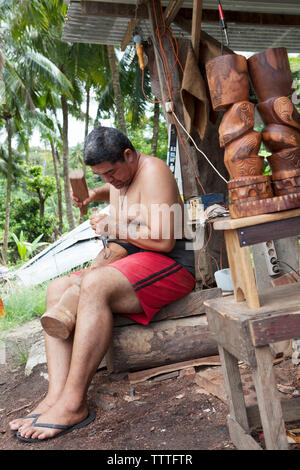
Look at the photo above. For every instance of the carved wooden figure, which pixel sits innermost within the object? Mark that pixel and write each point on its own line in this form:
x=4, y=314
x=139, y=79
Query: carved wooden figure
x=236, y=121
x=228, y=82
x=270, y=73
x=272, y=80
x=278, y=137
x=279, y=110
x=229, y=88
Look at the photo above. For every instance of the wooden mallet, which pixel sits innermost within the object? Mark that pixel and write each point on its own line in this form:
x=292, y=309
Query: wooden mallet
x=79, y=187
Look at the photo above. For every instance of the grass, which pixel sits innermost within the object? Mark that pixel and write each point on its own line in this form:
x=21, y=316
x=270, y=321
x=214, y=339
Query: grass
x=23, y=304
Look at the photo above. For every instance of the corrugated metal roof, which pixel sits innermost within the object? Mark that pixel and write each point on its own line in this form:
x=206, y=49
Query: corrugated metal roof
x=254, y=38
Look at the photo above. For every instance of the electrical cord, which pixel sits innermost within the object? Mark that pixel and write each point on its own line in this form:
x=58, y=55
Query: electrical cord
x=294, y=270
x=199, y=150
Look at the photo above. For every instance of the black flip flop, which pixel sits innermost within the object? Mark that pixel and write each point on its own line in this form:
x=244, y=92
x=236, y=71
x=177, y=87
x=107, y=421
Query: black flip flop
x=65, y=429
x=34, y=415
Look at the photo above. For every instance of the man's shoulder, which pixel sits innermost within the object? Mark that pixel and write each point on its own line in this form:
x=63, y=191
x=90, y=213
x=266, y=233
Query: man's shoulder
x=154, y=165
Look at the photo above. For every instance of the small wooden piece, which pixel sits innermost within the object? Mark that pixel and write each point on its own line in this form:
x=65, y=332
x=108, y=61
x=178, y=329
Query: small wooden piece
x=237, y=120
x=270, y=73
x=60, y=320
x=79, y=187
x=277, y=137
x=143, y=375
x=279, y=110
x=228, y=83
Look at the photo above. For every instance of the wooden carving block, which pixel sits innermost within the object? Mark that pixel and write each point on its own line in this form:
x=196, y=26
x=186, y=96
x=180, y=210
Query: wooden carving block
x=60, y=320
x=277, y=137
x=251, y=188
x=228, y=82
x=270, y=73
x=236, y=121
x=286, y=160
x=79, y=188
x=279, y=110
x=241, y=157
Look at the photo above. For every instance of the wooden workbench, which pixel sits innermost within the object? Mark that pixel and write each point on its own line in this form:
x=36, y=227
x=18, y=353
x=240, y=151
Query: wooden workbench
x=240, y=234
x=246, y=323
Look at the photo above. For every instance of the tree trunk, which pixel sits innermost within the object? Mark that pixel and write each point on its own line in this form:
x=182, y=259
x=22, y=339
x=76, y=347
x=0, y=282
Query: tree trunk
x=42, y=204
x=58, y=188
x=8, y=190
x=117, y=89
x=155, y=129
x=70, y=218
x=87, y=114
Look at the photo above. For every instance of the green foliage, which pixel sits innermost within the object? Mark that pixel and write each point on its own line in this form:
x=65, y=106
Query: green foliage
x=23, y=304
x=26, y=249
x=43, y=186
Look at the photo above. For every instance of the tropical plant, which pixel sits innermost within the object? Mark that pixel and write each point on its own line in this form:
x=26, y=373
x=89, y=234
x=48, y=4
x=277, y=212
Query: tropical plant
x=25, y=248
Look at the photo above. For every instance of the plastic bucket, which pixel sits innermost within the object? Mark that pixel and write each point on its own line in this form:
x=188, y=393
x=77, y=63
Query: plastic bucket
x=223, y=279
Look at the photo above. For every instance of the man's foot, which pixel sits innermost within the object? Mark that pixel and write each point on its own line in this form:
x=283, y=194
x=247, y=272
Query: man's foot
x=42, y=407
x=58, y=414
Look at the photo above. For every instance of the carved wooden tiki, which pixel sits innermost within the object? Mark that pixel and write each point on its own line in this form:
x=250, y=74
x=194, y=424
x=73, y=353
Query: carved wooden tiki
x=272, y=80
x=251, y=192
x=229, y=89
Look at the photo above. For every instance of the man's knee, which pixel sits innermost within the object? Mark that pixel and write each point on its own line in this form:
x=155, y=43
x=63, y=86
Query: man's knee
x=96, y=282
x=60, y=284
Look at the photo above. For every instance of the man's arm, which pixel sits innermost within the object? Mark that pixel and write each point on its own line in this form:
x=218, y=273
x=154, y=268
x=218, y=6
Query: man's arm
x=153, y=228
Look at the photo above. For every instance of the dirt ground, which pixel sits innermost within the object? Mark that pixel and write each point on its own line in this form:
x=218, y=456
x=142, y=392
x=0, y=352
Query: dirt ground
x=169, y=414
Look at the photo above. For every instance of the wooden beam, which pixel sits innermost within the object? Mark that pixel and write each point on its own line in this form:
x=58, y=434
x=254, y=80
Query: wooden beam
x=196, y=26
x=128, y=33
x=122, y=10
x=186, y=25
x=172, y=10
x=115, y=10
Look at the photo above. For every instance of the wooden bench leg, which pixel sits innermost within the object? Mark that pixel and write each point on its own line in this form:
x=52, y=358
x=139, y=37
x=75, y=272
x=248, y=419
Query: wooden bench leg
x=233, y=387
x=242, y=273
x=269, y=401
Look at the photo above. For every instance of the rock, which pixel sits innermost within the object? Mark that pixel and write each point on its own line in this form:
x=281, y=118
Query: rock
x=37, y=355
x=21, y=338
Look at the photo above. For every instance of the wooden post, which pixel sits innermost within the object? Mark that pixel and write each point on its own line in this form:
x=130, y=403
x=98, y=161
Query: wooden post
x=196, y=26
x=190, y=187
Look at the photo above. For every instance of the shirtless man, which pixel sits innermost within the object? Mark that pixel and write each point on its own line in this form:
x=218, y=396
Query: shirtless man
x=157, y=271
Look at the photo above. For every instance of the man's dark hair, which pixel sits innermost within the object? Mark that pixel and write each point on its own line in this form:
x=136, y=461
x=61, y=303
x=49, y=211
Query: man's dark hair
x=105, y=144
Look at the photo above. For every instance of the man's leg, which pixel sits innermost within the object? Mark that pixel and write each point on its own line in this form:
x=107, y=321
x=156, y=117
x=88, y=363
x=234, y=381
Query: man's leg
x=102, y=291
x=58, y=354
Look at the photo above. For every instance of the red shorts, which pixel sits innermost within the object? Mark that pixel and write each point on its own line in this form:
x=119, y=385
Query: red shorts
x=157, y=281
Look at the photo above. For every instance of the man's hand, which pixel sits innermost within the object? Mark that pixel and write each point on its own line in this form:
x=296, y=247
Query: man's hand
x=99, y=223
x=88, y=200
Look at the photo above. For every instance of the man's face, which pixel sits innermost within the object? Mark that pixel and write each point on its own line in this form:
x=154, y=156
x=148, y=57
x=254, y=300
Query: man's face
x=117, y=174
